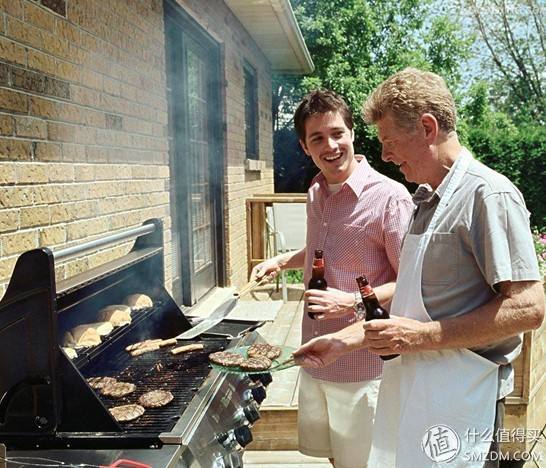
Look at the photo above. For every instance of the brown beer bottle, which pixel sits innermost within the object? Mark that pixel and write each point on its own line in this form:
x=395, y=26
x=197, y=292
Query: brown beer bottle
x=317, y=280
x=374, y=311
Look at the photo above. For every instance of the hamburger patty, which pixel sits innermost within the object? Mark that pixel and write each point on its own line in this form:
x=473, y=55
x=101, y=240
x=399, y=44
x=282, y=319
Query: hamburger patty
x=225, y=358
x=118, y=389
x=99, y=383
x=155, y=398
x=264, y=349
x=126, y=412
x=258, y=363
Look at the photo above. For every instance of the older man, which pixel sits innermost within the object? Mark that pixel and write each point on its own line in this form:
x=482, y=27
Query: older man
x=468, y=285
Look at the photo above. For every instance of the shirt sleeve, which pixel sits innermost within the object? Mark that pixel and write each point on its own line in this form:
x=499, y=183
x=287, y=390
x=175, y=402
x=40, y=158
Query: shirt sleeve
x=501, y=240
x=395, y=224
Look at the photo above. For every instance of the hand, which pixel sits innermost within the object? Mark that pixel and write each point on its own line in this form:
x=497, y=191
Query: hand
x=269, y=267
x=329, y=304
x=398, y=335
x=320, y=352
x=324, y=350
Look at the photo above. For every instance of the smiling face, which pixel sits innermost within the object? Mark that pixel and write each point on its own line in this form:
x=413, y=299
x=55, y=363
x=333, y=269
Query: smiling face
x=329, y=142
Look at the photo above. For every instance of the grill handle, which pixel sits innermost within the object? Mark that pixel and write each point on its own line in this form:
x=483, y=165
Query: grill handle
x=70, y=252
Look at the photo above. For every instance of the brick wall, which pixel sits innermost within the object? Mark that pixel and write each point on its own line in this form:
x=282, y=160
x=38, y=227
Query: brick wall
x=83, y=125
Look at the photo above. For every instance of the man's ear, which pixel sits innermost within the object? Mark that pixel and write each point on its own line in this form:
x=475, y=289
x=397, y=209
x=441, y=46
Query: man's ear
x=430, y=127
x=304, y=148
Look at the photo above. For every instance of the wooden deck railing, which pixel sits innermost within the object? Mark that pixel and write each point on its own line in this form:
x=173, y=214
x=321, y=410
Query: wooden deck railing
x=256, y=225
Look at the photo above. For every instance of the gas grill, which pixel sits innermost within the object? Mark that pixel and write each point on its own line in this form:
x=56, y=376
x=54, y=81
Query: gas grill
x=47, y=408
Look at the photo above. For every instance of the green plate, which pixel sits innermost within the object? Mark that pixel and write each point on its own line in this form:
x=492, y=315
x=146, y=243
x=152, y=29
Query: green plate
x=276, y=364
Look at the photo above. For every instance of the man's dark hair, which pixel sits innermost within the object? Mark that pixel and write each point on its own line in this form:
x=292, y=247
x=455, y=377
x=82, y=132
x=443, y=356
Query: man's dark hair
x=321, y=101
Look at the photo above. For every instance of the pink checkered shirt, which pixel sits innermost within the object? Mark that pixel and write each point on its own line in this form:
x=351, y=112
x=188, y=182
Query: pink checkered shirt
x=360, y=229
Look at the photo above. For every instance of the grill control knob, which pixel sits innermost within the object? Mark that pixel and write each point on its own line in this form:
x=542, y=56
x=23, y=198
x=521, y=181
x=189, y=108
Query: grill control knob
x=251, y=413
x=265, y=378
x=258, y=393
x=243, y=435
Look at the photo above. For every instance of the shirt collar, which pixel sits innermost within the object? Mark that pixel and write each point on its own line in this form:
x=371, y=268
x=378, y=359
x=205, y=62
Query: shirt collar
x=357, y=180
x=424, y=192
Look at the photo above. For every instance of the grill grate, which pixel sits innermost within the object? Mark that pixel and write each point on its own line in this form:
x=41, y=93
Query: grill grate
x=182, y=375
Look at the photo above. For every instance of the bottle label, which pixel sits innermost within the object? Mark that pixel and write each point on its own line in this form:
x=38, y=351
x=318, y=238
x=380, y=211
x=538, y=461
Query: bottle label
x=366, y=291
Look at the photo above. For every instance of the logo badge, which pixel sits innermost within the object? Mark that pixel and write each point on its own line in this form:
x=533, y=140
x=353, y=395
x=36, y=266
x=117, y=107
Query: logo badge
x=441, y=443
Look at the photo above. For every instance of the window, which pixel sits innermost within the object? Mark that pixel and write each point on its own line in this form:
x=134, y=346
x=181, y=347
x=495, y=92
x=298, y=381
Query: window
x=251, y=112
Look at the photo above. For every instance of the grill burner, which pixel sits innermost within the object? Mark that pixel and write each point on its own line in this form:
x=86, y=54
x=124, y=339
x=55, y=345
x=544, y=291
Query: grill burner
x=182, y=375
x=46, y=405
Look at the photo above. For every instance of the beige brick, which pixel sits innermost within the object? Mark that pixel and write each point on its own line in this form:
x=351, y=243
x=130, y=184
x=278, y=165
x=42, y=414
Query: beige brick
x=85, y=135
x=13, y=101
x=60, y=132
x=15, y=149
x=7, y=173
x=60, y=213
x=24, y=32
x=91, y=79
x=75, y=192
x=30, y=127
x=60, y=172
x=83, y=229
x=44, y=107
x=52, y=235
x=12, y=52
x=74, y=152
x=76, y=267
x=39, y=17
x=6, y=125
x=84, y=172
x=48, y=194
x=68, y=71
x=12, y=7
x=19, y=242
x=34, y=216
x=40, y=61
x=31, y=173
x=82, y=210
x=9, y=220
x=47, y=151
x=6, y=267
x=67, y=31
x=15, y=196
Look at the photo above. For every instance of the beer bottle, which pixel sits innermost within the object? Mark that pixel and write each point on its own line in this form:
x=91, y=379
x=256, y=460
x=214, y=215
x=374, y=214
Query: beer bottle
x=317, y=280
x=374, y=311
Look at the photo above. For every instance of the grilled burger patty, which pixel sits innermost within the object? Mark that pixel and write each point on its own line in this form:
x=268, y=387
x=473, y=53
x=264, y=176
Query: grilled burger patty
x=257, y=363
x=100, y=382
x=225, y=358
x=155, y=398
x=118, y=389
x=264, y=349
x=126, y=412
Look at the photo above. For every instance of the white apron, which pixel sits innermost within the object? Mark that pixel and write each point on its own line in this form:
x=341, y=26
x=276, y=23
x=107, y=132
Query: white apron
x=435, y=408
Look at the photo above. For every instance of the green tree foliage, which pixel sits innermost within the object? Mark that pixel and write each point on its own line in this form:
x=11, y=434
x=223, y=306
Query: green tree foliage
x=513, y=35
x=355, y=45
x=517, y=151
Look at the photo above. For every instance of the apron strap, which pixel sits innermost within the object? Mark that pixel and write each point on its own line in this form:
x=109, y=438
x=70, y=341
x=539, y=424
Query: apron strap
x=459, y=170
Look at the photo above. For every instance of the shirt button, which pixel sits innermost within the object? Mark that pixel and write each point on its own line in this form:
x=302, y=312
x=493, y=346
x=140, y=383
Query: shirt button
x=315, y=333
x=325, y=224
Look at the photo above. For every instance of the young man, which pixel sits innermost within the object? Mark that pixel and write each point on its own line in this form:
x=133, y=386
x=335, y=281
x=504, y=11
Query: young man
x=467, y=286
x=357, y=217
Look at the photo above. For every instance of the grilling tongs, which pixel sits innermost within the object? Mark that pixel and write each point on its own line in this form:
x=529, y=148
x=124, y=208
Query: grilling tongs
x=220, y=312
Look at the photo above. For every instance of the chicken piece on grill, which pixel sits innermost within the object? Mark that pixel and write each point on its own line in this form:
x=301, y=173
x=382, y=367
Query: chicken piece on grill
x=99, y=383
x=118, y=389
x=126, y=413
x=155, y=398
